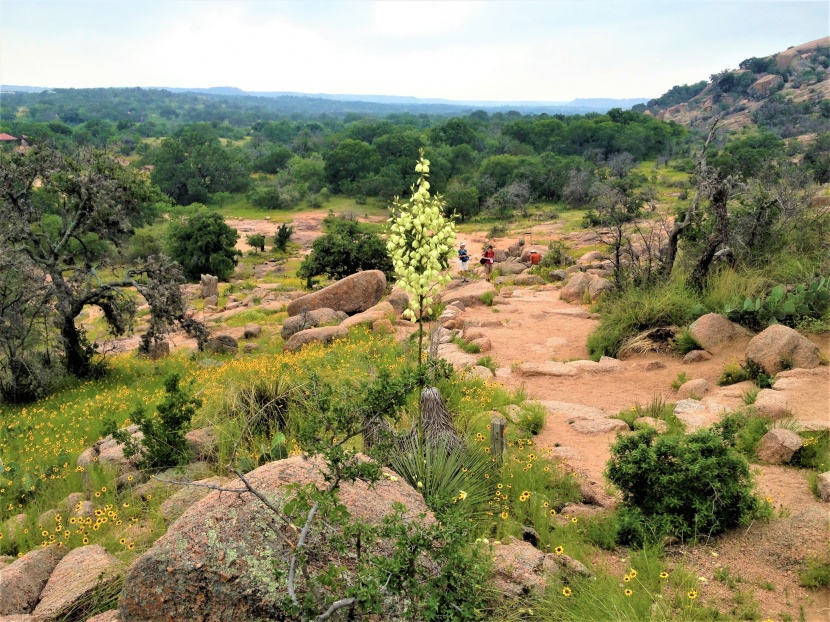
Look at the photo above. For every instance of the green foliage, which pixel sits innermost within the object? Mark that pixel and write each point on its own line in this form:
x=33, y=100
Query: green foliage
x=164, y=444
x=488, y=362
x=682, y=378
x=558, y=255
x=204, y=244
x=638, y=309
x=257, y=241
x=742, y=431
x=469, y=348
x=487, y=298
x=683, y=486
x=785, y=307
x=815, y=453
x=531, y=418
x=345, y=248
x=420, y=237
x=684, y=342
x=275, y=450
x=816, y=574
x=734, y=373
x=450, y=479
x=283, y=236
x=657, y=409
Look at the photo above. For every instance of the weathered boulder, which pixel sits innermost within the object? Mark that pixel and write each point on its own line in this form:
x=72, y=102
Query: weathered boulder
x=500, y=255
x=823, y=486
x=225, y=559
x=518, y=568
x=381, y=311
x=766, y=85
x=714, y=332
x=696, y=356
x=211, y=301
x=22, y=582
x=251, y=331
x=599, y=426
x=110, y=452
x=694, y=389
x=557, y=275
x=222, y=344
x=312, y=319
x=778, y=445
x=528, y=279
x=598, y=286
x=780, y=346
x=208, y=286
x=14, y=525
x=80, y=572
x=546, y=368
x=483, y=344
x=772, y=404
x=176, y=505
x=107, y=616
x=508, y=268
x=322, y=334
x=352, y=294
x=399, y=299
x=591, y=257
x=577, y=285
x=470, y=294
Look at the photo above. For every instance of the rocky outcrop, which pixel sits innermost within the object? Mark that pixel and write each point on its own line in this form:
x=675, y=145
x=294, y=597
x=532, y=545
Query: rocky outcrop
x=208, y=286
x=351, y=294
x=222, y=344
x=778, y=446
x=110, y=452
x=778, y=347
x=312, y=319
x=76, y=575
x=399, y=299
x=714, y=332
x=226, y=560
x=381, y=311
x=22, y=582
x=176, y=505
x=251, y=331
x=772, y=404
x=323, y=334
x=823, y=486
x=470, y=294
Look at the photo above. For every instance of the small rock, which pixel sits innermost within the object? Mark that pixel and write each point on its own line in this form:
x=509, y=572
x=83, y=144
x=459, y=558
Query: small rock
x=694, y=389
x=653, y=365
x=772, y=404
x=557, y=275
x=211, y=301
x=112, y=615
x=823, y=485
x=778, y=446
x=251, y=331
x=696, y=356
x=483, y=344
x=222, y=344
x=546, y=368
x=249, y=348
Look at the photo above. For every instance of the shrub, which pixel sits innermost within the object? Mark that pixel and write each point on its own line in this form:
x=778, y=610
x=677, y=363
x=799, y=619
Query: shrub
x=734, y=373
x=810, y=301
x=531, y=418
x=816, y=575
x=204, y=244
x=469, y=348
x=681, y=486
x=164, y=444
x=346, y=248
x=487, y=298
x=684, y=342
x=256, y=241
x=557, y=255
x=282, y=236
x=678, y=382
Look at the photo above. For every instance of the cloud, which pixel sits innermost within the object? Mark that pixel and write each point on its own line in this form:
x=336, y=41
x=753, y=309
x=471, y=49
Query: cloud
x=414, y=18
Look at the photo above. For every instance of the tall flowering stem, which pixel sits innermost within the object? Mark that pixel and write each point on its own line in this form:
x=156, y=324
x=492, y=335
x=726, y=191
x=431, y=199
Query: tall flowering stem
x=420, y=237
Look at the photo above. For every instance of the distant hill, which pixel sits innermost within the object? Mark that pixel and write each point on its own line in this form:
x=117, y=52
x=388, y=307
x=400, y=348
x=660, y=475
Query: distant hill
x=386, y=104
x=787, y=93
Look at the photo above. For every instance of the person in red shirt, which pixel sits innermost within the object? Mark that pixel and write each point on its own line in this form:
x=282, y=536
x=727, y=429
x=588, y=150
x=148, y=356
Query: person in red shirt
x=489, y=257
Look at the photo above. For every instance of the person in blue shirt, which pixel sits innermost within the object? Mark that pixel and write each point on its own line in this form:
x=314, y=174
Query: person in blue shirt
x=463, y=261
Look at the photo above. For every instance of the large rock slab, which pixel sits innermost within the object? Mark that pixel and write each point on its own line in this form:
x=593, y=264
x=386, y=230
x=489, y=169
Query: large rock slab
x=187, y=495
x=714, y=332
x=225, y=559
x=772, y=404
x=780, y=346
x=76, y=575
x=352, y=294
x=381, y=311
x=511, y=268
x=22, y=582
x=599, y=426
x=547, y=368
x=323, y=334
x=576, y=288
x=312, y=319
x=469, y=294
x=778, y=445
x=518, y=568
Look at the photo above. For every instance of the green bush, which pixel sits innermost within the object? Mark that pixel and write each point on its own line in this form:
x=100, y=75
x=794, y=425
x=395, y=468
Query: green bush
x=204, y=244
x=256, y=241
x=531, y=418
x=345, y=248
x=734, y=373
x=681, y=486
x=684, y=342
x=469, y=348
x=164, y=444
x=487, y=298
x=816, y=575
x=282, y=236
x=810, y=301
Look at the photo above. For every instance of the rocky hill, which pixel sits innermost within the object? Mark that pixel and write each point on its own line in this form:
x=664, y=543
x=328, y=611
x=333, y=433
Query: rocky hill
x=787, y=93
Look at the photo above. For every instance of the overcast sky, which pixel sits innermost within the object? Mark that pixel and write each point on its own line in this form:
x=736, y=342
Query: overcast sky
x=484, y=50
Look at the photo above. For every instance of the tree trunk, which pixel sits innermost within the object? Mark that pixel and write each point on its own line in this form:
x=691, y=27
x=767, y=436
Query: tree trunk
x=76, y=358
x=719, y=236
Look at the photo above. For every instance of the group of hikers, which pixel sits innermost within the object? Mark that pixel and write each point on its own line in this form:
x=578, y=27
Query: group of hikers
x=487, y=259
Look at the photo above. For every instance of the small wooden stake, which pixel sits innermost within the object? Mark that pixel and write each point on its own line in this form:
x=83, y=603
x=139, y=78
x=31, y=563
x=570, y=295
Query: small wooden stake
x=497, y=442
